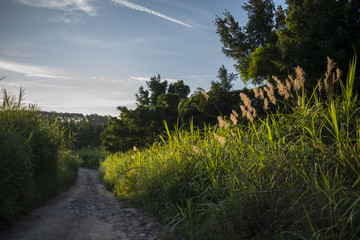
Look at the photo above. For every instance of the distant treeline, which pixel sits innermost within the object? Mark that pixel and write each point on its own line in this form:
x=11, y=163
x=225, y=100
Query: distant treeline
x=83, y=130
x=77, y=118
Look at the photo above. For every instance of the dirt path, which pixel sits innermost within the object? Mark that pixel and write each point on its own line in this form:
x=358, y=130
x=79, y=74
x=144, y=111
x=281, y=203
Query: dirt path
x=86, y=211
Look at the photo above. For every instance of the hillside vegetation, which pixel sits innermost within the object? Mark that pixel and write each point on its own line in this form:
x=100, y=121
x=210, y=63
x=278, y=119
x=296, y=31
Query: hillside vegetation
x=293, y=174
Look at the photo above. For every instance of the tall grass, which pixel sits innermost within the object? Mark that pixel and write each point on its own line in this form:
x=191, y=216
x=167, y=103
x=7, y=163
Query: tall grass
x=35, y=162
x=293, y=175
x=91, y=157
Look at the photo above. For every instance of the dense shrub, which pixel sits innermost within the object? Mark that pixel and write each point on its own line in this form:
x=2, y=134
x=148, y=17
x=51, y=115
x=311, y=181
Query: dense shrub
x=34, y=161
x=91, y=157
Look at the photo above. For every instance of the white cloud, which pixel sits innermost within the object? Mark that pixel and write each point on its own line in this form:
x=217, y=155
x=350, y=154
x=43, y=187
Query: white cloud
x=171, y=80
x=30, y=70
x=145, y=79
x=140, y=79
x=64, y=5
x=147, y=10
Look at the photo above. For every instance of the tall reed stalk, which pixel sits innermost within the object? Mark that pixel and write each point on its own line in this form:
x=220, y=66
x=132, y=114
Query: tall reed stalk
x=292, y=175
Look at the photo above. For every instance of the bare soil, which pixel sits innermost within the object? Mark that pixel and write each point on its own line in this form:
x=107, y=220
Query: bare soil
x=86, y=211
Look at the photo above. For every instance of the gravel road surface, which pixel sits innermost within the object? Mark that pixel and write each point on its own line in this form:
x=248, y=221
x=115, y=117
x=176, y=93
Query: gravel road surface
x=86, y=211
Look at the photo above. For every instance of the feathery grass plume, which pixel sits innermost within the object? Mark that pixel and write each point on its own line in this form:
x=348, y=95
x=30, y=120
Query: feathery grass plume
x=261, y=92
x=320, y=86
x=221, y=139
x=276, y=79
x=233, y=119
x=250, y=116
x=235, y=113
x=135, y=148
x=299, y=100
x=266, y=104
x=300, y=78
x=291, y=79
x=222, y=123
x=326, y=84
x=283, y=90
x=338, y=74
x=132, y=157
x=243, y=110
x=272, y=88
x=271, y=95
x=330, y=65
x=206, y=96
x=195, y=149
x=256, y=92
x=233, y=134
x=288, y=85
x=247, y=102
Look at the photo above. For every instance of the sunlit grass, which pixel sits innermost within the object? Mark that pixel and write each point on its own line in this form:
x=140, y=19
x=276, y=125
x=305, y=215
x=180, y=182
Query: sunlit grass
x=292, y=175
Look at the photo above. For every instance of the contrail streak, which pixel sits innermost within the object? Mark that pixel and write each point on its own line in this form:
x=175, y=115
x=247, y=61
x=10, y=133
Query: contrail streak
x=147, y=10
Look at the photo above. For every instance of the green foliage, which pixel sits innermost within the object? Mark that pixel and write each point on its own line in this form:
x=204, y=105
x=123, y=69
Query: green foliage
x=288, y=175
x=220, y=101
x=139, y=127
x=303, y=35
x=83, y=131
x=91, y=157
x=34, y=160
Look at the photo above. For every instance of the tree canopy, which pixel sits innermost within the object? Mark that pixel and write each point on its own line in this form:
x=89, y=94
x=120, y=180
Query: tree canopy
x=140, y=126
x=275, y=41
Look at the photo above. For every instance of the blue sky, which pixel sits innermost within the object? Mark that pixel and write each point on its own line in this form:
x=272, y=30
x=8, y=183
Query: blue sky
x=90, y=56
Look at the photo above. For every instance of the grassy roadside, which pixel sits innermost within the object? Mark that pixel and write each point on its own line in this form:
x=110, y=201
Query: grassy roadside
x=35, y=160
x=291, y=175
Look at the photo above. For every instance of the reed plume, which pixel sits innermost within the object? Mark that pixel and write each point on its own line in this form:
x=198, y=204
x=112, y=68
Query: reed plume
x=206, y=96
x=271, y=95
x=235, y=113
x=262, y=95
x=233, y=119
x=283, y=90
x=221, y=139
x=222, y=123
x=266, y=104
x=195, y=149
x=247, y=105
x=256, y=92
x=300, y=78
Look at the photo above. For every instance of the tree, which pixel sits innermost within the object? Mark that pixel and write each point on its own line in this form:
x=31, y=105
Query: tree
x=316, y=29
x=240, y=42
x=225, y=78
x=156, y=88
x=221, y=101
x=180, y=89
x=274, y=42
x=142, y=97
x=140, y=126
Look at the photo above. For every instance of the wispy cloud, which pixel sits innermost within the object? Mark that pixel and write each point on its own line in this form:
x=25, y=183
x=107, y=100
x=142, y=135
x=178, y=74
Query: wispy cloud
x=68, y=17
x=147, y=10
x=145, y=79
x=140, y=79
x=30, y=70
x=64, y=5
